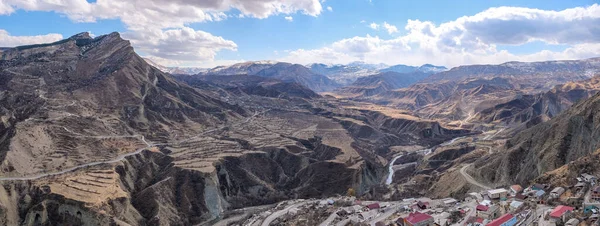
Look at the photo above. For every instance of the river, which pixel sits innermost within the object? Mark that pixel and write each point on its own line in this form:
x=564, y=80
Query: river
x=426, y=151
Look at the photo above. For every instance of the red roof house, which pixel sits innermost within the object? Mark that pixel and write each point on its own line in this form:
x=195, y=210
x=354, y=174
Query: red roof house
x=373, y=206
x=482, y=208
x=515, y=189
x=559, y=211
x=507, y=219
x=418, y=219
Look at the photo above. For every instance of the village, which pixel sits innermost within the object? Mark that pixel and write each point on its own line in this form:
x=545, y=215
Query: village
x=537, y=204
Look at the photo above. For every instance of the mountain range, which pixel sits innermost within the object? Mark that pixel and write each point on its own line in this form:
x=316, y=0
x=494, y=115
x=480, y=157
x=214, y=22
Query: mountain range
x=92, y=134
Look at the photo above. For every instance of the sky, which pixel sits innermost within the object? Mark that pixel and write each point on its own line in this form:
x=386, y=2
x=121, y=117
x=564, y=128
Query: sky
x=209, y=33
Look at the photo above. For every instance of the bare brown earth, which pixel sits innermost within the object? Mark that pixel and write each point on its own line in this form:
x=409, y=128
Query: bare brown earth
x=92, y=134
x=546, y=146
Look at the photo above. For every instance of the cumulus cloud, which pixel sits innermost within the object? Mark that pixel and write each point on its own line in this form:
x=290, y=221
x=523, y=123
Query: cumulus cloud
x=163, y=13
x=289, y=18
x=184, y=44
x=7, y=40
x=329, y=9
x=374, y=26
x=390, y=28
x=163, y=23
x=471, y=39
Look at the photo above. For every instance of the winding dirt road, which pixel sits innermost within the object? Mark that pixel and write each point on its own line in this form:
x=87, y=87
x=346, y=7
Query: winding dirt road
x=119, y=157
x=470, y=179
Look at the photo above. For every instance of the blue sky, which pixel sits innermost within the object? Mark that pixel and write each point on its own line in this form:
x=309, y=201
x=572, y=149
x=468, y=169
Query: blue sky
x=217, y=34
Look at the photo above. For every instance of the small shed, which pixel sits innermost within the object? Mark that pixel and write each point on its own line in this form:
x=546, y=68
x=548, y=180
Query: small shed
x=521, y=197
x=515, y=189
x=538, y=187
x=450, y=201
x=538, y=194
x=572, y=222
x=423, y=205
x=557, y=192
x=497, y=193
x=515, y=205
x=369, y=215
x=588, y=178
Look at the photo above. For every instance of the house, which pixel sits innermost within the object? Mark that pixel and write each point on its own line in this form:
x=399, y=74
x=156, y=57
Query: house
x=515, y=189
x=497, y=193
x=367, y=216
x=537, y=187
x=506, y=220
x=475, y=221
x=572, y=222
x=474, y=196
x=561, y=213
x=442, y=218
x=379, y=223
x=487, y=212
x=352, y=209
x=450, y=201
x=400, y=221
x=373, y=206
x=418, y=219
x=539, y=194
x=482, y=208
x=423, y=205
x=588, y=178
x=521, y=197
x=596, y=193
x=486, y=202
x=579, y=186
x=515, y=205
x=556, y=192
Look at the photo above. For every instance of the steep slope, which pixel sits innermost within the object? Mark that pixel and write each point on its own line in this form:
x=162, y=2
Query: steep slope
x=547, y=146
x=532, y=109
x=86, y=86
x=92, y=134
x=250, y=85
x=468, y=98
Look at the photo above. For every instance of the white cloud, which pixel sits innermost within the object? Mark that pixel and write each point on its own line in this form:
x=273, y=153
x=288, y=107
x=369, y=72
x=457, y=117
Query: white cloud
x=164, y=23
x=203, y=64
x=7, y=40
x=289, y=18
x=374, y=26
x=329, y=9
x=163, y=13
x=183, y=44
x=390, y=28
x=471, y=39
x=363, y=21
